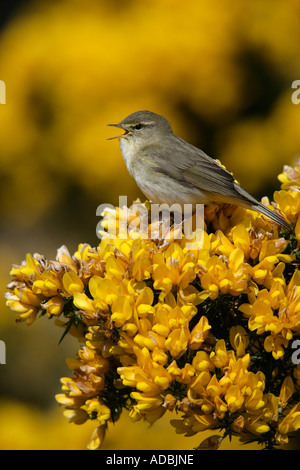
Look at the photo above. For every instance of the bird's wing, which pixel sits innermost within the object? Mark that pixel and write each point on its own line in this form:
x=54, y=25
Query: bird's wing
x=189, y=165
x=210, y=176
x=192, y=167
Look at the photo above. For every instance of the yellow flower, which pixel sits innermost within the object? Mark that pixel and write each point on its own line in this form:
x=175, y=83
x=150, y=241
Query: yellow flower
x=291, y=422
x=199, y=333
x=173, y=268
x=289, y=203
x=122, y=311
x=146, y=402
x=161, y=319
x=286, y=391
x=258, y=427
x=241, y=238
x=144, y=302
x=64, y=258
x=202, y=362
x=290, y=177
x=141, y=266
x=72, y=283
x=282, y=324
x=54, y=306
x=136, y=377
x=234, y=398
x=183, y=375
x=220, y=357
x=95, y=408
x=103, y=290
x=177, y=342
x=97, y=438
x=48, y=284
x=24, y=302
x=27, y=269
x=114, y=269
x=255, y=401
x=238, y=339
x=218, y=277
x=202, y=422
x=274, y=345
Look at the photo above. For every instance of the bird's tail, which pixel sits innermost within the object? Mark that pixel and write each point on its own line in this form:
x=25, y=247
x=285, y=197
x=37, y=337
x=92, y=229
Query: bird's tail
x=271, y=214
x=253, y=204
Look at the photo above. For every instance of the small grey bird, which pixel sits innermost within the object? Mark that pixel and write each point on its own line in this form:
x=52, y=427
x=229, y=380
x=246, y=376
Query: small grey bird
x=169, y=170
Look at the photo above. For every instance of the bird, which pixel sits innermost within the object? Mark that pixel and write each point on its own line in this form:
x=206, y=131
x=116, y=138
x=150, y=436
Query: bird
x=170, y=170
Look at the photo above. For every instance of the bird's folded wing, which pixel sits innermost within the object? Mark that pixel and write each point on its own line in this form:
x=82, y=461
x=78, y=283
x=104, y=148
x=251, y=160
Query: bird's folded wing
x=189, y=165
x=210, y=176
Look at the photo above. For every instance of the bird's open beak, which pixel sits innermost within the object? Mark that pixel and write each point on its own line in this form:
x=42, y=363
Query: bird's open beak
x=120, y=127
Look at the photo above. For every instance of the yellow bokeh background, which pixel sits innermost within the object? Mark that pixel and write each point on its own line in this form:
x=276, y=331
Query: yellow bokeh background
x=220, y=71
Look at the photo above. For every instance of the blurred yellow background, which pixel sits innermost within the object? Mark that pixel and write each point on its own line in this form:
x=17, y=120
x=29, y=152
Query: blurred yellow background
x=220, y=71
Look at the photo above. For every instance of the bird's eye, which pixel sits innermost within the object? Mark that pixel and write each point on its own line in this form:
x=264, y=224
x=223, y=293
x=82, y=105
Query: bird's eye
x=138, y=126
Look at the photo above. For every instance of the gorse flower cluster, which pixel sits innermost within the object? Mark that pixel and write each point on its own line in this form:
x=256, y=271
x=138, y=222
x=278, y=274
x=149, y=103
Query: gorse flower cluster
x=208, y=333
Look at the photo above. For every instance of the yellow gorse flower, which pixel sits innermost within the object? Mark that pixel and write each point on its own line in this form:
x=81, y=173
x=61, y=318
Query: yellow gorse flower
x=207, y=331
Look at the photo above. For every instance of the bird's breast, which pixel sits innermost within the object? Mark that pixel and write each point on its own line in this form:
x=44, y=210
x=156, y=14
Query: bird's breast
x=128, y=152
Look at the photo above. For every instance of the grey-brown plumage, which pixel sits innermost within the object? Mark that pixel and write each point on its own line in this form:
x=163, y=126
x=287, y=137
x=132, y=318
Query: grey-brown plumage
x=169, y=170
